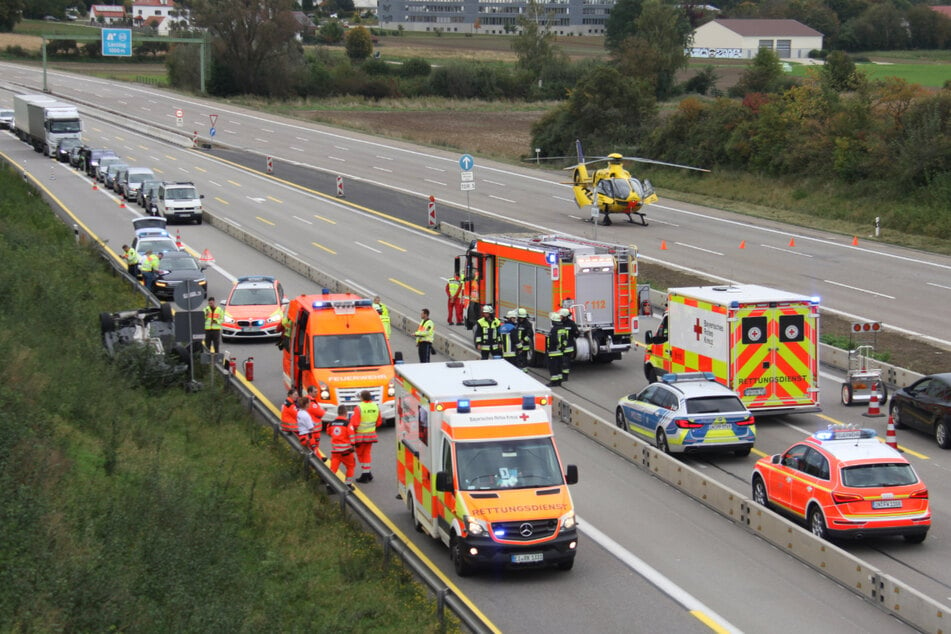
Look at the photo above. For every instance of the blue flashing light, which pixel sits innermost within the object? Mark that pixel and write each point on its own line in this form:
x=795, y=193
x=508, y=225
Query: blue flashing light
x=815, y=300
x=844, y=433
x=463, y=406
x=499, y=532
x=734, y=304
x=256, y=278
x=551, y=257
x=528, y=402
x=319, y=304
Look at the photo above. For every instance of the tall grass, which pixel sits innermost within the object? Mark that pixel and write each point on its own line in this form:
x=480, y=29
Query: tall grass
x=127, y=509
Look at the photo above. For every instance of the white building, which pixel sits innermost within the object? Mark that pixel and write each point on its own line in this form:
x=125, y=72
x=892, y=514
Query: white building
x=160, y=14
x=741, y=39
x=106, y=13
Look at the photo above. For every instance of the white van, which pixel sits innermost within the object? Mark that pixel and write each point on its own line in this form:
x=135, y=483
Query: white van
x=179, y=202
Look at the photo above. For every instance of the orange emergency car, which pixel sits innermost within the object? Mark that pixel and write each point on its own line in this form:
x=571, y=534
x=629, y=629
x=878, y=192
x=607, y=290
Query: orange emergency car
x=844, y=482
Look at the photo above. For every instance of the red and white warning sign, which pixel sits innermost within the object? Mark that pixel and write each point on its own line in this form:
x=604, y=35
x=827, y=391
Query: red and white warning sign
x=432, y=211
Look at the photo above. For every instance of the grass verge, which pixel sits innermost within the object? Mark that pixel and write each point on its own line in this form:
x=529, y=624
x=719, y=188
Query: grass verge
x=129, y=509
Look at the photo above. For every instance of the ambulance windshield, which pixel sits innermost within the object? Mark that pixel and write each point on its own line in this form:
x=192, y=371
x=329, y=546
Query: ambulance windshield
x=508, y=464
x=351, y=351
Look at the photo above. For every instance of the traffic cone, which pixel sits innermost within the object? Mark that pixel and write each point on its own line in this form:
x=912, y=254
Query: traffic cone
x=663, y=245
x=742, y=244
x=178, y=239
x=890, y=439
x=855, y=241
x=792, y=242
x=95, y=187
x=873, y=409
x=207, y=257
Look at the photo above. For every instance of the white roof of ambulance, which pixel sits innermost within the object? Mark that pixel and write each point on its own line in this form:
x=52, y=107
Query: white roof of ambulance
x=444, y=381
x=742, y=293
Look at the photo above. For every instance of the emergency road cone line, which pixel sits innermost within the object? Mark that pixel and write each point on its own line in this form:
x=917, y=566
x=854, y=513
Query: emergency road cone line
x=792, y=242
x=663, y=245
x=742, y=244
x=206, y=256
x=855, y=241
x=178, y=238
x=873, y=409
x=890, y=439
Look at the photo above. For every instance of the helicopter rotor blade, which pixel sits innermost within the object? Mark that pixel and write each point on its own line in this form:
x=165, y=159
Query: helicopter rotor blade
x=653, y=162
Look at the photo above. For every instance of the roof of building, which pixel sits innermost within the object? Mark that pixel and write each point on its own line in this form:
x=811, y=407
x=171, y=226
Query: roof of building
x=751, y=28
x=154, y=3
x=943, y=9
x=111, y=10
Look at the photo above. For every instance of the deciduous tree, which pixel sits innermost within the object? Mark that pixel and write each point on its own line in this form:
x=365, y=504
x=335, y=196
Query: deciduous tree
x=358, y=43
x=535, y=43
x=11, y=12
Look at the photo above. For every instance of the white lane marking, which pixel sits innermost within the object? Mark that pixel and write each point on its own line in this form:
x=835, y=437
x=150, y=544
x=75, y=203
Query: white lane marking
x=505, y=200
x=663, y=222
x=285, y=249
x=304, y=220
x=342, y=147
x=486, y=180
x=435, y=169
x=383, y=169
x=948, y=288
x=690, y=246
x=367, y=247
x=297, y=149
x=301, y=138
x=337, y=158
x=385, y=158
x=267, y=130
x=856, y=288
x=234, y=122
x=429, y=180
x=769, y=246
x=260, y=140
x=654, y=577
x=230, y=132
x=215, y=183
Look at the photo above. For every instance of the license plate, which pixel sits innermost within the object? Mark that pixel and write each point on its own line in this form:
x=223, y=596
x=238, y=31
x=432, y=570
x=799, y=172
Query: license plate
x=886, y=504
x=755, y=391
x=721, y=427
x=527, y=558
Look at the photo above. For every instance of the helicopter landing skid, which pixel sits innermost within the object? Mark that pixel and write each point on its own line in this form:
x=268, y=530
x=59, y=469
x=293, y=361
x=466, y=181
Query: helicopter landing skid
x=643, y=218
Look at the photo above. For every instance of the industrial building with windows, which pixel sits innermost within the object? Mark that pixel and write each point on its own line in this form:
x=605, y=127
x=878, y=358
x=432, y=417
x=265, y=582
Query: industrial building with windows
x=493, y=17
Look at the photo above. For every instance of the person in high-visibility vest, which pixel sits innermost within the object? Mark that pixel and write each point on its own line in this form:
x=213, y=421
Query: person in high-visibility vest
x=454, y=297
x=384, y=312
x=571, y=333
x=487, y=334
x=148, y=265
x=284, y=343
x=214, y=316
x=289, y=412
x=508, y=337
x=365, y=419
x=341, y=445
x=425, y=335
x=526, y=339
x=555, y=350
x=131, y=257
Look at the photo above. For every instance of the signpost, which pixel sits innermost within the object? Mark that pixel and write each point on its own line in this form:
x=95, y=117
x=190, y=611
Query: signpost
x=117, y=42
x=179, y=117
x=466, y=162
x=214, y=120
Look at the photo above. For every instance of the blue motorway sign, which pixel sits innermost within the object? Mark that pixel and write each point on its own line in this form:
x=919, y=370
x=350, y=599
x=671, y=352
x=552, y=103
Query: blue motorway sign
x=117, y=42
x=212, y=132
x=466, y=162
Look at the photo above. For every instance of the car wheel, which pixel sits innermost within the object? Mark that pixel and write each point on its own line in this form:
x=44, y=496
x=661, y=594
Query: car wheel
x=884, y=396
x=817, y=523
x=166, y=313
x=915, y=538
x=759, y=492
x=412, y=511
x=742, y=452
x=846, y=394
x=566, y=565
x=620, y=420
x=941, y=435
x=662, y=441
x=462, y=568
x=106, y=322
x=650, y=373
x=896, y=415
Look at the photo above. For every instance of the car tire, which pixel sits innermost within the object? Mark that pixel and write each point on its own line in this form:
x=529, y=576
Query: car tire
x=619, y=419
x=459, y=564
x=884, y=397
x=915, y=538
x=895, y=412
x=106, y=322
x=661, y=441
x=847, y=394
x=412, y=513
x=817, y=523
x=759, y=492
x=742, y=452
x=166, y=313
x=565, y=566
x=650, y=373
x=942, y=434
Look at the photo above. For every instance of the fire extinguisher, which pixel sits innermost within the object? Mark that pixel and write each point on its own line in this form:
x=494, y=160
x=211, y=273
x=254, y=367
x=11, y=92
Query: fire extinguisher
x=233, y=364
x=249, y=368
x=646, y=307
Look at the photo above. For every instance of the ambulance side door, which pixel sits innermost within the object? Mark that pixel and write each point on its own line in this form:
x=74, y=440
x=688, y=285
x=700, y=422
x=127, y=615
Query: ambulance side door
x=300, y=349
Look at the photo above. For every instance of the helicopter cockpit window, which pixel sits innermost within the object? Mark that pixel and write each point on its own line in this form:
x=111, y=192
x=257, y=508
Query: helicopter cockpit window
x=606, y=188
x=622, y=188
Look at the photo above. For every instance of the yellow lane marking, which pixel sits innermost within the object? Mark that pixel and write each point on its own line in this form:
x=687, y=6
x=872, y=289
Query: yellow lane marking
x=392, y=246
x=171, y=158
x=157, y=170
x=200, y=169
x=906, y=450
x=706, y=620
x=379, y=214
x=409, y=288
x=221, y=200
x=320, y=246
x=757, y=452
x=234, y=183
x=277, y=200
x=120, y=138
x=333, y=222
x=265, y=221
x=143, y=147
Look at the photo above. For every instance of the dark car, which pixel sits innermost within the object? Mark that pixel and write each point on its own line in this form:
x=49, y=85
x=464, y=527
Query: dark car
x=63, y=148
x=145, y=196
x=175, y=268
x=925, y=405
x=91, y=156
x=76, y=156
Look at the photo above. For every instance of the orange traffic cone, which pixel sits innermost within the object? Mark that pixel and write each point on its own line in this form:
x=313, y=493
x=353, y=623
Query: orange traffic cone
x=663, y=245
x=792, y=242
x=873, y=409
x=95, y=186
x=855, y=241
x=207, y=257
x=890, y=439
x=178, y=239
x=742, y=244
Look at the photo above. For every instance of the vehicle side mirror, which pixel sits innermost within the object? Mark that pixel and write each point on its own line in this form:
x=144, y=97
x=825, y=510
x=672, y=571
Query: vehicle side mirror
x=649, y=337
x=303, y=363
x=397, y=357
x=444, y=482
x=571, y=474
x=201, y=196
x=285, y=301
x=222, y=303
x=776, y=458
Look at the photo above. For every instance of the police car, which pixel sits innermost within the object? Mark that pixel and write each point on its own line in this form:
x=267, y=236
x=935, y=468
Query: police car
x=844, y=482
x=153, y=239
x=688, y=412
x=254, y=308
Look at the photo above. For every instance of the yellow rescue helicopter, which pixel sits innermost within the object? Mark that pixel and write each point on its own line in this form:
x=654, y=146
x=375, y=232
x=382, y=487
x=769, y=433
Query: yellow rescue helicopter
x=612, y=188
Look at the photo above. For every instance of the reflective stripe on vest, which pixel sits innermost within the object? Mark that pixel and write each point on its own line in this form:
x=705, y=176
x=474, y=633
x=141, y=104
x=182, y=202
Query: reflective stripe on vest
x=213, y=318
x=339, y=432
x=369, y=415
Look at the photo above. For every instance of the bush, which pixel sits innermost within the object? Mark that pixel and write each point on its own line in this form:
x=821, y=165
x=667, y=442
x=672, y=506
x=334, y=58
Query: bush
x=415, y=67
x=376, y=67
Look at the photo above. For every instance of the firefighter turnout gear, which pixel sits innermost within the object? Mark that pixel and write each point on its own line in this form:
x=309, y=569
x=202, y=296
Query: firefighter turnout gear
x=555, y=351
x=487, y=334
x=525, y=337
x=508, y=337
x=569, y=335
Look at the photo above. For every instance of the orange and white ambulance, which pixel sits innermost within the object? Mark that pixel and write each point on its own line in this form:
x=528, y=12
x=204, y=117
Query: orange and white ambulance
x=760, y=342
x=478, y=467
x=338, y=344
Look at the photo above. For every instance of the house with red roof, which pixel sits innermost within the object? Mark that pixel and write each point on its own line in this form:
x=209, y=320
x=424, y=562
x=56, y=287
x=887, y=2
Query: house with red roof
x=106, y=13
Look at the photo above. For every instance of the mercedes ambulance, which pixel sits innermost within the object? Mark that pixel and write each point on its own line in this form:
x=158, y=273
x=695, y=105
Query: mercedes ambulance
x=478, y=467
x=760, y=342
x=338, y=344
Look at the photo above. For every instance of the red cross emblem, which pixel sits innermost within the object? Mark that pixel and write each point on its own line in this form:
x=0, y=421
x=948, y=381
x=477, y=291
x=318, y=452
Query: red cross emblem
x=524, y=417
x=698, y=329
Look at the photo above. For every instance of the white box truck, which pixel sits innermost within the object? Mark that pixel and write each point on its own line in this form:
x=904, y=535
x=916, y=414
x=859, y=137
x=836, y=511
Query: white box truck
x=478, y=467
x=42, y=121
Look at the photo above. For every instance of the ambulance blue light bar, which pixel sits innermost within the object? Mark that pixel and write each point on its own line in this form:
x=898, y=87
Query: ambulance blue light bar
x=844, y=433
x=463, y=406
x=528, y=402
